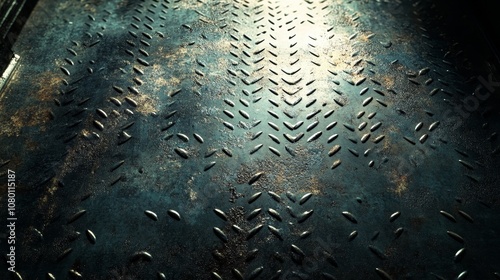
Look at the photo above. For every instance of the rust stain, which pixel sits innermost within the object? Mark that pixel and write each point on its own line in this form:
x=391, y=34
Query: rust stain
x=400, y=182
x=315, y=186
x=279, y=180
x=32, y=116
x=339, y=55
x=171, y=82
x=29, y=117
x=364, y=37
x=47, y=83
x=46, y=203
x=83, y=152
x=388, y=81
x=164, y=81
x=386, y=145
x=90, y=8
x=193, y=195
x=147, y=104
x=173, y=57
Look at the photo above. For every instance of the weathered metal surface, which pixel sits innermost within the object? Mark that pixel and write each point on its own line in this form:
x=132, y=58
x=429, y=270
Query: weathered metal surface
x=252, y=140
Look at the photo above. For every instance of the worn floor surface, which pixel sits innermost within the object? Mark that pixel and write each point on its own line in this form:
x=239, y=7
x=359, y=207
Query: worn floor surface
x=253, y=139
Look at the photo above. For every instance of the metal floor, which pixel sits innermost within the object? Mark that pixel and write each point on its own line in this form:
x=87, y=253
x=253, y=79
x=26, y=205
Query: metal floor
x=242, y=139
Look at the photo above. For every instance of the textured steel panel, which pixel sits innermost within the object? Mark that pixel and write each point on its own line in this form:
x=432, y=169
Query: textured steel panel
x=252, y=140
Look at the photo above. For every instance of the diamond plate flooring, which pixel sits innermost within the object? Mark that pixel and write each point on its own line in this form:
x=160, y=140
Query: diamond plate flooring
x=244, y=139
